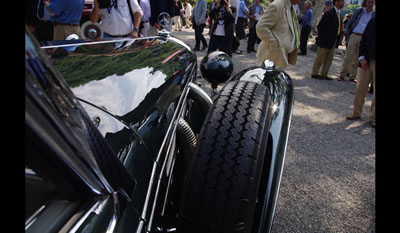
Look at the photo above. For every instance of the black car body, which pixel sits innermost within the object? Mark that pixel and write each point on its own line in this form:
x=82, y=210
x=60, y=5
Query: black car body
x=110, y=130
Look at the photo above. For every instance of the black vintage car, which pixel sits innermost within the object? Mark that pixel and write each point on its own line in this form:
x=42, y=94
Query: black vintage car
x=119, y=138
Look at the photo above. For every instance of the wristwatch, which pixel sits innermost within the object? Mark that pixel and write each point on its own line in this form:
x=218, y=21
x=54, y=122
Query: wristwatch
x=135, y=29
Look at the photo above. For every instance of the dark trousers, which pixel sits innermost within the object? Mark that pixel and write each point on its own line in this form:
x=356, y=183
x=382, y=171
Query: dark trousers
x=252, y=38
x=235, y=43
x=240, y=33
x=305, y=33
x=198, y=34
x=44, y=31
x=221, y=43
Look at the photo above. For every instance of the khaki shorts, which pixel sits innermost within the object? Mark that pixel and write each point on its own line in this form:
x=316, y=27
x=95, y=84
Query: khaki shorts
x=62, y=31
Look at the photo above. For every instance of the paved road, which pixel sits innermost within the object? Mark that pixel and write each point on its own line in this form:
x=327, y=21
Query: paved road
x=328, y=182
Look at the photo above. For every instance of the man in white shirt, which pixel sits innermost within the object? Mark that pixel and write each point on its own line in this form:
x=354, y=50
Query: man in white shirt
x=354, y=31
x=188, y=14
x=116, y=21
x=145, y=5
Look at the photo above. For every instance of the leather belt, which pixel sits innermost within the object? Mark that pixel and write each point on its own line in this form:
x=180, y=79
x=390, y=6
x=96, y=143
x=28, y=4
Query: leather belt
x=358, y=34
x=67, y=24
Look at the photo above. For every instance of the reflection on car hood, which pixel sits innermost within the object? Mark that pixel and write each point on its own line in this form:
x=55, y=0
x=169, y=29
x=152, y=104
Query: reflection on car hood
x=116, y=94
x=117, y=75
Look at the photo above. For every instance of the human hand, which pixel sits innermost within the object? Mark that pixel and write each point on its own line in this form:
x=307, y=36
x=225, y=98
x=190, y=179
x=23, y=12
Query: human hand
x=221, y=3
x=46, y=3
x=226, y=5
x=134, y=34
x=364, y=64
x=218, y=4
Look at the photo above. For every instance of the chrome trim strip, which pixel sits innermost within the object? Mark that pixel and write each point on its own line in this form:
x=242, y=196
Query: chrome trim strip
x=92, y=209
x=32, y=219
x=97, y=208
x=169, y=181
x=99, y=42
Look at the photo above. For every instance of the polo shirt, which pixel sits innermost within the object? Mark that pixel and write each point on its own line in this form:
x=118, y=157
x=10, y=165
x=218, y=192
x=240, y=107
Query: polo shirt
x=242, y=9
x=118, y=22
x=66, y=11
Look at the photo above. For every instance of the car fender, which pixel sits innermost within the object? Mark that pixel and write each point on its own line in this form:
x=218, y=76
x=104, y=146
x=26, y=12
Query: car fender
x=281, y=89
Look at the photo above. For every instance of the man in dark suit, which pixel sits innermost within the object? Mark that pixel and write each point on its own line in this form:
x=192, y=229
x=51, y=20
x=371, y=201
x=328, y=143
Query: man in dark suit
x=329, y=30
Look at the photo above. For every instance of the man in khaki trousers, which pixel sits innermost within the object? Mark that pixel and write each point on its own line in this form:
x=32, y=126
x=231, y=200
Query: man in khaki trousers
x=65, y=16
x=354, y=31
x=329, y=29
x=278, y=29
x=365, y=74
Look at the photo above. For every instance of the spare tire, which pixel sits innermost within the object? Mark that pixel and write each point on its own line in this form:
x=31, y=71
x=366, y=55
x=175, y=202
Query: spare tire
x=220, y=191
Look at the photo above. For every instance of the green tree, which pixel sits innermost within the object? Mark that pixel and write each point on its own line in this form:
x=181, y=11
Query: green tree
x=349, y=8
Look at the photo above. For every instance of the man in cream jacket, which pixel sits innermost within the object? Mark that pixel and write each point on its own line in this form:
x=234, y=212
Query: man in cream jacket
x=278, y=28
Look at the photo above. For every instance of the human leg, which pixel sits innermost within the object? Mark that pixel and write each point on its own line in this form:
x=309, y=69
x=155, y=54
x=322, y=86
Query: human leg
x=373, y=73
x=364, y=79
x=176, y=19
x=349, y=56
x=319, y=58
x=201, y=36
x=305, y=33
x=326, y=64
x=252, y=39
x=214, y=43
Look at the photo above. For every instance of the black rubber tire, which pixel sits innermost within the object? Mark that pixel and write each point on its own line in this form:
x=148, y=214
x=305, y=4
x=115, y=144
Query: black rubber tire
x=221, y=188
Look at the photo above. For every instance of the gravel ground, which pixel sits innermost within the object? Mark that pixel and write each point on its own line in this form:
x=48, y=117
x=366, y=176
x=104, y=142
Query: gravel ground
x=328, y=181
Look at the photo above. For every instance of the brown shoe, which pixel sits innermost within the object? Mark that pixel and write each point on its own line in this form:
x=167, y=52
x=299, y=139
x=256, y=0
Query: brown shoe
x=352, y=117
x=316, y=76
x=341, y=78
x=372, y=124
x=353, y=80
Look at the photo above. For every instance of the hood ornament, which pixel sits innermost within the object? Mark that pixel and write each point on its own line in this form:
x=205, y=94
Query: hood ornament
x=165, y=21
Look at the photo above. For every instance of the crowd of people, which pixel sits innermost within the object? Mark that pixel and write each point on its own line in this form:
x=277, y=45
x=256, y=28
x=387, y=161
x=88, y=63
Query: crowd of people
x=280, y=29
